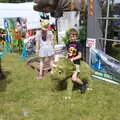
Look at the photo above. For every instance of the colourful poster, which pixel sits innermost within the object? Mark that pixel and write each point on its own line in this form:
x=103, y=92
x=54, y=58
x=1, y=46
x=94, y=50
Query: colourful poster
x=15, y=25
x=15, y=29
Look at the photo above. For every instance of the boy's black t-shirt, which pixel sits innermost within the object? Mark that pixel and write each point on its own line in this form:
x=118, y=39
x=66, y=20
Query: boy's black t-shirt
x=73, y=49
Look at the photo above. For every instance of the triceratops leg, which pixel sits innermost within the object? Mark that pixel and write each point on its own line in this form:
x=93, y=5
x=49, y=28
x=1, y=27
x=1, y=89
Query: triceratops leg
x=69, y=87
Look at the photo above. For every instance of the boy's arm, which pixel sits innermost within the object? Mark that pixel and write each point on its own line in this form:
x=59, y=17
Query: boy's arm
x=77, y=57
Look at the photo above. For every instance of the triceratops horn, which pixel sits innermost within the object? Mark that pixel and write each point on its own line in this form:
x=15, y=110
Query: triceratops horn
x=54, y=65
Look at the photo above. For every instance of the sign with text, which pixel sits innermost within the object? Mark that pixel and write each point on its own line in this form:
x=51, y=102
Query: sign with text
x=91, y=42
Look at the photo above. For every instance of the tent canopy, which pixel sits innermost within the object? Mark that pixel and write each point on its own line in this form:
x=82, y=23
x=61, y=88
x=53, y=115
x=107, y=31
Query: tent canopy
x=25, y=10
x=17, y=10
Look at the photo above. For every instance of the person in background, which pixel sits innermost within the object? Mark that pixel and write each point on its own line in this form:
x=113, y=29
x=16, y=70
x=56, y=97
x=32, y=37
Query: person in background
x=44, y=46
x=74, y=54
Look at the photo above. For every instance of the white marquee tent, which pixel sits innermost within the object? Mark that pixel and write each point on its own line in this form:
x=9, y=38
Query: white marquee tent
x=25, y=10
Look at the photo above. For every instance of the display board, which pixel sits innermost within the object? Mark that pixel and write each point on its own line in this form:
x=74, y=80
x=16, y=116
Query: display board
x=104, y=66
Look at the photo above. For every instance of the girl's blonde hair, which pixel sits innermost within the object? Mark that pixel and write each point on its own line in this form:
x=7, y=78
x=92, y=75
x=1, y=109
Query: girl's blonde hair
x=44, y=23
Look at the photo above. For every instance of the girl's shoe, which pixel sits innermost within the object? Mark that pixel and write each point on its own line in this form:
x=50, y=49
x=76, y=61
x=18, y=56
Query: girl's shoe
x=39, y=76
x=45, y=73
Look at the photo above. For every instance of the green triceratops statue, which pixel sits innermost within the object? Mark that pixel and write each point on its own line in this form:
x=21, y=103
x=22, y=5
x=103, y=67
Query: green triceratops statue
x=63, y=71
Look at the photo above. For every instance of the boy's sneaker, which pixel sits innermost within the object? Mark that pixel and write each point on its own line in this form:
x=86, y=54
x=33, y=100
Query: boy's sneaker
x=85, y=82
x=83, y=86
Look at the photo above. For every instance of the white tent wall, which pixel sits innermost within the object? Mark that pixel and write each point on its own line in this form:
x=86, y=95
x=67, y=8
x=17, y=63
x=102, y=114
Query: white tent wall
x=1, y=23
x=69, y=20
x=25, y=10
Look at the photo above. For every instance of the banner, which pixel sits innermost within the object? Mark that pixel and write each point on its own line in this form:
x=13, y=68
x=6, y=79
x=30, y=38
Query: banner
x=105, y=67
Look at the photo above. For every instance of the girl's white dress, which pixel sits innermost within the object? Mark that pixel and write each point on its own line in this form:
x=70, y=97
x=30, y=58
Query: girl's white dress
x=46, y=47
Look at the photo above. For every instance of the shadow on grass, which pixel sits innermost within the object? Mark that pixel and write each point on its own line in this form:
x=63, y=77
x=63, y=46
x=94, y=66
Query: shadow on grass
x=3, y=80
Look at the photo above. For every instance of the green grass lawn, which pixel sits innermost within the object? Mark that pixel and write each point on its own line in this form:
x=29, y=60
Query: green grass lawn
x=24, y=98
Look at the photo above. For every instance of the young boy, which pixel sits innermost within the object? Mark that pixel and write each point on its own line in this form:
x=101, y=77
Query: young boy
x=74, y=54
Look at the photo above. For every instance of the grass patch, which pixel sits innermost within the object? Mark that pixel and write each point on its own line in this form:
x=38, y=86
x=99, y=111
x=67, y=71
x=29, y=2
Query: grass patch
x=23, y=98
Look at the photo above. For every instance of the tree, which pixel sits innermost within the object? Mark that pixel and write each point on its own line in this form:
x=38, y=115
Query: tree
x=4, y=1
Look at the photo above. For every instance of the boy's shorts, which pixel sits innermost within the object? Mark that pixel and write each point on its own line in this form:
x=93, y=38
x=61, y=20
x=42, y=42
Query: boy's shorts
x=77, y=65
x=77, y=62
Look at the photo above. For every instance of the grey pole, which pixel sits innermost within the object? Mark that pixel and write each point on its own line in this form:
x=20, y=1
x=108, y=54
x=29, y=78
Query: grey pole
x=94, y=27
x=106, y=26
x=56, y=22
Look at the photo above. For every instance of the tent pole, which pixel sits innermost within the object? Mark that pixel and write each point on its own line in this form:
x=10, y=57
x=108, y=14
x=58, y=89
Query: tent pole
x=56, y=22
x=106, y=26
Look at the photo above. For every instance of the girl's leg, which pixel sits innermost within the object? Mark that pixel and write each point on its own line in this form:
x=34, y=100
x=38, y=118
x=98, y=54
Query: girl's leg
x=51, y=62
x=41, y=66
x=40, y=75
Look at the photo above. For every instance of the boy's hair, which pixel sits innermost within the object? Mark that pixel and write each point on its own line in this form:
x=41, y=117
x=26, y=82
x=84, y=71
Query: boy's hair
x=72, y=30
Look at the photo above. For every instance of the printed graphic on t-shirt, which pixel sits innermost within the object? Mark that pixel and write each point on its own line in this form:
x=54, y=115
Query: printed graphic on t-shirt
x=72, y=50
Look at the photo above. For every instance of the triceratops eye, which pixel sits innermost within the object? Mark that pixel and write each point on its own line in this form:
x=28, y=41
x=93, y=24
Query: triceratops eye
x=60, y=72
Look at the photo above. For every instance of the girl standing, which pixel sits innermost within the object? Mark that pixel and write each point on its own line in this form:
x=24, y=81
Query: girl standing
x=46, y=51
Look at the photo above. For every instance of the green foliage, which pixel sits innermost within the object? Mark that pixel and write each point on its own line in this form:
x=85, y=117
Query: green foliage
x=65, y=39
x=12, y=1
x=82, y=36
x=4, y=1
